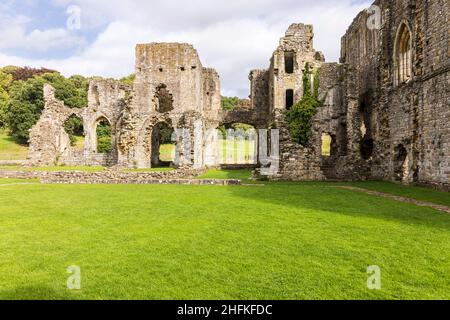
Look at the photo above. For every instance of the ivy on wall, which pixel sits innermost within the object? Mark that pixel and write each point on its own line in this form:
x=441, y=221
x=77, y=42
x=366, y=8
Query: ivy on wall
x=299, y=118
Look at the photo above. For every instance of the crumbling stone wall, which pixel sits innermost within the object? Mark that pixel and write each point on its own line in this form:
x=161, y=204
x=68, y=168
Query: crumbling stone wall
x=50, y=143
x=408, y=122
x=171, y=87
x=194, y=92
x=48, y=140
x=284, y=83
x=382, y=126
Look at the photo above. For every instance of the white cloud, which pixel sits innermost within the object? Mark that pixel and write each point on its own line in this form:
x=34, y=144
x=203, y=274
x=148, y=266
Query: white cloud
x=14, y=35
x=233, y=36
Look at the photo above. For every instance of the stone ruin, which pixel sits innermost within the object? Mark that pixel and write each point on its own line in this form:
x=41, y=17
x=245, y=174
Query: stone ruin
x=386, y=110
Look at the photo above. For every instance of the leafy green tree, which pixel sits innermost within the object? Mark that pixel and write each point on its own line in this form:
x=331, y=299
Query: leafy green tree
x=300, y=117
x=5, y=82
x=128, y=80
x=74, y=128
x=27, y=101
x=25, y=106
x=73, y=91
x=230, y=103
x=104, y=137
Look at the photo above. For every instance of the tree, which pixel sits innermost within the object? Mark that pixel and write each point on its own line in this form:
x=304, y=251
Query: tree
x=230, y=103
x=27, y=102
x=25, y=73
x=104, y=137
x=128, y=80
x=300, y=117
x=25, y=107
x=5, y=82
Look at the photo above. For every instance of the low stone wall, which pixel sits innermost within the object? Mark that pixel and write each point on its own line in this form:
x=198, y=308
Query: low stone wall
x=184, y=177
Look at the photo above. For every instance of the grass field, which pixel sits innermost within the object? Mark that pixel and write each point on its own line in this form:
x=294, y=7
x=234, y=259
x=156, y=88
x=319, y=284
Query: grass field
x=10, y=149
x=230, y=152
x=277, y=241
x=418, y=193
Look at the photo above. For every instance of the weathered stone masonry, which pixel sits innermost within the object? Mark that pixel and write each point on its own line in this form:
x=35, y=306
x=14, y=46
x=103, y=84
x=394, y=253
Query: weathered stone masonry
x=406, y=116
x=387, y=103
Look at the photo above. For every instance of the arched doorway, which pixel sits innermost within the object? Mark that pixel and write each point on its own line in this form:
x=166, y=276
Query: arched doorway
x=75, y=130
x=162, y=147
x=103, y=136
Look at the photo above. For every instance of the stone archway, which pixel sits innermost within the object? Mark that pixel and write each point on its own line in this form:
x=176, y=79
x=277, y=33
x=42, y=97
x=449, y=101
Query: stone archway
x=103, y=135
x=74, y=128
x=162, y=147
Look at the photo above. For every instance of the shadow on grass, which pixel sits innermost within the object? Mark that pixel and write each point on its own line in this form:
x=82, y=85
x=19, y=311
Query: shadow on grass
x=37, y=293
x=16, y=141
x=326, y=197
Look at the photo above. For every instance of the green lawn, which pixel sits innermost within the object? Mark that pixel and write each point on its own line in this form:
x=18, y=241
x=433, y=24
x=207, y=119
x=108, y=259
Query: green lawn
x=278, y=241
x=419, y=193
x=53, y=168
x=15, y=181
x=227, y=174
x=167, y=152
x=10, y=149
x=230, y=152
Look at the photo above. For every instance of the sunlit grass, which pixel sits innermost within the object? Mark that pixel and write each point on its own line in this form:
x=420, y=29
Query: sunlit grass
x=237, y=152
x=230, y=152
x=10, y=149
x=53, y=168
x=278, y=241
x=167, y=152
x=227, y=174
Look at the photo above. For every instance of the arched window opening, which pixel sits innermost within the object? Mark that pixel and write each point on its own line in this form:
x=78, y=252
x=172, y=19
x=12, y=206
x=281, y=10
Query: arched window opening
x=237, y=144
x=75, y=129
x=164, y=99
x=104, y=136
x=403, y=58
x=163, y=149
x=289, y=99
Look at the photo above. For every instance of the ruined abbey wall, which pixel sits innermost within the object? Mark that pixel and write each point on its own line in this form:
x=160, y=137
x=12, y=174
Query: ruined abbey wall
x=171, y=87
x=386, y=104
x=407, y=124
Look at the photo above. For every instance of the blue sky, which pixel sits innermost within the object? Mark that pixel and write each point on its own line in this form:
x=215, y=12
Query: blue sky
x=233, y=36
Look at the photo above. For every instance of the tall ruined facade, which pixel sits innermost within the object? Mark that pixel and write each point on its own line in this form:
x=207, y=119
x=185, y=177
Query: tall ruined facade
x=387, y=104
x=386, y=109
x=401, y=74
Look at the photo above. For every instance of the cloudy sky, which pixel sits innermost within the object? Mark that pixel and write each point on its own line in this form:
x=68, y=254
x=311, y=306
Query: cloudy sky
x=232, y=36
